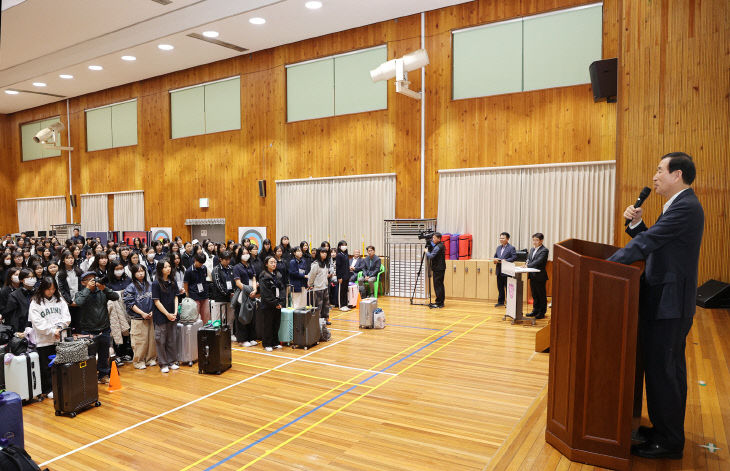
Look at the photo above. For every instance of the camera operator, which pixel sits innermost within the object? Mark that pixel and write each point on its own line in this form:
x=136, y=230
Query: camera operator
x=436, y=254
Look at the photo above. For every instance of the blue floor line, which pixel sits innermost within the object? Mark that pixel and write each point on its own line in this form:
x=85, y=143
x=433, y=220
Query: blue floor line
x=394, y=325
x=271, y=434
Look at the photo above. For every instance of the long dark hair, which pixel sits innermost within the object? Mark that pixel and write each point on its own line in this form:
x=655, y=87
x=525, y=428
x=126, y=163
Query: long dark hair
x=95, y=265
x=180, y=267
x=318, y=259
x=142, y=285
x=160, y=278
x=11, y=271
x=111, y=266
x=46, y=283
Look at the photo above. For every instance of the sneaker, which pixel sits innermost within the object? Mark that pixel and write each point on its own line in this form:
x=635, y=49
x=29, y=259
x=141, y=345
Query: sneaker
x=104, y=379
x=127, y=359
x=50, y=395
x=152, y=363
x=165, y=369
x=278, y=347
x=246, y=344
x=119, y=362
x=253, y=342
x=174, y=367
x=140, y=366
x=233, y=338
x=269, y=349
x=344, y=309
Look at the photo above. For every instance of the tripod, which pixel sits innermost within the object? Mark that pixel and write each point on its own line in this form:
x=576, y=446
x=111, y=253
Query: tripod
x=426, y=285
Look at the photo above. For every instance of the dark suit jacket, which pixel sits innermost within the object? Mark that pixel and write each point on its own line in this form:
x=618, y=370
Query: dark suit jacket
x=537, y=258
x=510, y=254
x=671, y=248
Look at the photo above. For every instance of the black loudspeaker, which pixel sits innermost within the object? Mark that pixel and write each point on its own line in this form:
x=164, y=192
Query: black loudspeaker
x=262, y=188
x=714, y=294
x=73, y=201
x=604, y=80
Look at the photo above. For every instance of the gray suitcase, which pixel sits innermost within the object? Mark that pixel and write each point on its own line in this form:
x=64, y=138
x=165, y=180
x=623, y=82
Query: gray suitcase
x=367, y=308
x=187, y=341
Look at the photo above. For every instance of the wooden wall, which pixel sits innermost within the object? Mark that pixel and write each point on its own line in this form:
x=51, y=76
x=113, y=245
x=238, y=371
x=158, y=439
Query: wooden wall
x=8, y=207
x=674, y=89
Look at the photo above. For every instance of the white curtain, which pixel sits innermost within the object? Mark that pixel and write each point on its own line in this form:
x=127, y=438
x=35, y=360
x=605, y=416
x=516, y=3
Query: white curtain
x=334, y=209
x=562, y=201
x=38, y=214
x=94, y=213
x=129, y=211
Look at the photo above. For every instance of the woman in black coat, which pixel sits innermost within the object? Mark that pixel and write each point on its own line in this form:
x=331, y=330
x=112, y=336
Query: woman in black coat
x=16, y=311
x=342, y=270
x=272, y=300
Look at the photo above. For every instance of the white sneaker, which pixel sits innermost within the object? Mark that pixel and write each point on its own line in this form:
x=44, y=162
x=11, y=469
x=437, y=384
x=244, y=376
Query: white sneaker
x=253, y=342
x=233, y=338
x=344, y=309
x=277, y=347
x=140, y=366
x=165, y=369
x=50, y=395
x=269, y=349
x=174, y=367
x=152, y=363
x=246, y=344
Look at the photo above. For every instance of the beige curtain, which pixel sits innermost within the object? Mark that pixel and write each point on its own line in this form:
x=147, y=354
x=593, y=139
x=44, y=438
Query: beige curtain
x=129, y=211
x=340, y=208
x=38, y=214
x=562, y=201
x=94, y=213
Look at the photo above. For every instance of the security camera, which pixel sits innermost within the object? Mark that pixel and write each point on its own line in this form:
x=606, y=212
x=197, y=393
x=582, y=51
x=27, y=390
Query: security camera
x=399, y=68
x=45, y=134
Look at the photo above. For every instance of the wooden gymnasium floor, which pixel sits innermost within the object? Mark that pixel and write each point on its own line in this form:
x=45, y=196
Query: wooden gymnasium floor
x=451, y=389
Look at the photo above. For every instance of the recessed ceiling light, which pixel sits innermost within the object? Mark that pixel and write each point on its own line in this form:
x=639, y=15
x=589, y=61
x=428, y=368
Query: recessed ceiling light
x=257, y=21
x=66, y=76
x=39, y=84
x=96, y=67
x=12, y=92
x=166, y=47
x=313, y=5
x=210, y=34
x=129, y=58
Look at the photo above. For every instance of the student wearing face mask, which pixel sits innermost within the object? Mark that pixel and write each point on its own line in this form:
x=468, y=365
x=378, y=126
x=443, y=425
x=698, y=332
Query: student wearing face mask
x=342, y=269
x=16, y=311
x=150, y=264
x=6, y=264
x=118, y=319
x=298, y=271
x=11, y=284
x=49, y=315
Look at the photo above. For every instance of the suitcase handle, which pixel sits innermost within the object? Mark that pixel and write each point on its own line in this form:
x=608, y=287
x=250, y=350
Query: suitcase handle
x=82, y=364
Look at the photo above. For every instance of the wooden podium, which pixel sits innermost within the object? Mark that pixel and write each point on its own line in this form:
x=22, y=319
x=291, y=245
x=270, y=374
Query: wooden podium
x=592, y=354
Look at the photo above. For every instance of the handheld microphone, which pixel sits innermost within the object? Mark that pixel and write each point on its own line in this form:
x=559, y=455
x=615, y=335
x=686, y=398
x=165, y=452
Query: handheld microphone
x=639, y=201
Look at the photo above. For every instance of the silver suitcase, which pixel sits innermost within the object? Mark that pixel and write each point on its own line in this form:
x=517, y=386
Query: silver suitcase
x=23, y=376
x=367, y=307
x=187, y=341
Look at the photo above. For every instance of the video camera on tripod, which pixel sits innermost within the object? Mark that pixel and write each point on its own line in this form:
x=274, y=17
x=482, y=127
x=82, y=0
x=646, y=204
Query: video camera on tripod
x=426, y=235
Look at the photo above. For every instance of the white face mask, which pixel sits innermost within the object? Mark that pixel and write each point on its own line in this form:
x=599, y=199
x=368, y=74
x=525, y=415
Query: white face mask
x=8, y=262
x=15, y=279
x=119, y=273
x=344, y=248
x=151, y=257
x=245, y=257
x=29, y=282
x=112, y=256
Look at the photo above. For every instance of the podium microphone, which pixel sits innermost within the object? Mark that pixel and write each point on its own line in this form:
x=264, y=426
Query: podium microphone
x=639, y=201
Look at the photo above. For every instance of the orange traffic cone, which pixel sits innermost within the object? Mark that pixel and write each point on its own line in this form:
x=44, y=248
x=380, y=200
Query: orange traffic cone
x=115, y=384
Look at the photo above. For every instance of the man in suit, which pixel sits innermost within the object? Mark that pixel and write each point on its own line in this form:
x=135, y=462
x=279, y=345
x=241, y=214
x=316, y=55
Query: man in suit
x=537, y=258
x=507, y=252
x=671, y=248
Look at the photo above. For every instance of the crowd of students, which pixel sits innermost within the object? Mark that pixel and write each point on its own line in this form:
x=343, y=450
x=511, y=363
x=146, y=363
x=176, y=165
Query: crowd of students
x=126, y=297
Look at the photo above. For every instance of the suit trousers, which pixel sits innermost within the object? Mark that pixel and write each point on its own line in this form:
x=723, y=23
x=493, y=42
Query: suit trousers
x=539, y=296
x=501, y=287
x=662, y=343
x=438, y=286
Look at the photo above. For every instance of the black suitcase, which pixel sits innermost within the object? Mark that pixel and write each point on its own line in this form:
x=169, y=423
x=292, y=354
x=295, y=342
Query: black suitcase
x=214, y=349
x=75, y=387
x=306, y=328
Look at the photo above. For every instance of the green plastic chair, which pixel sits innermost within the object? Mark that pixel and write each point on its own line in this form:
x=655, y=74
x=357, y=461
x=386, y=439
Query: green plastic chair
x=376, y=286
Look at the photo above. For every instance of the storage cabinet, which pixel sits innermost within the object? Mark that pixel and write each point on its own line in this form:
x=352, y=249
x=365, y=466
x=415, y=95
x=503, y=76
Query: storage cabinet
x=470, y=279
x=448, y=277
x=483, y=279
x=457, y=278
x=473, y=279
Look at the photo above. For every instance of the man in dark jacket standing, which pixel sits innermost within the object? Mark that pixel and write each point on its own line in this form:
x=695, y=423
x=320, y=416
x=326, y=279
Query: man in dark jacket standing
x=505, y=252
x=671, y=248
x=436, y=254
x=537, y=259
x=94, y=318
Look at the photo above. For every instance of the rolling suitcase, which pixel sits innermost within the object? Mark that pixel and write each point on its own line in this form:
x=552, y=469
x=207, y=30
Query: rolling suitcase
x=187, y=341
x=306, y=328
x=286, y=327
x=367, y=308
x=446, y=240
x=214, y=349
x=465, y=242
x=23, y=376
x=352, y=292
x=11, y=418
x=75, y=387
x=454, y=247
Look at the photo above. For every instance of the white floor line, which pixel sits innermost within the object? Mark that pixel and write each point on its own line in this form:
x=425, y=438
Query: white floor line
x=343, y=330
x=311, y=361
x=131, y=427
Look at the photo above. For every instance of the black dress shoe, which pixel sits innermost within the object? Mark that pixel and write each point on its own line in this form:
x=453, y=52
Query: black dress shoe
x=439, y=306
x=499, y=304
x=532, y=314
x=653, y=450
x=540, y=316
x=641, y=435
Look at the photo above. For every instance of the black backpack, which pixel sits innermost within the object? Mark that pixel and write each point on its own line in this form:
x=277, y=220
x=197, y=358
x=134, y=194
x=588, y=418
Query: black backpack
x=17, y=346
x=6, y=333
x=13, y=458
